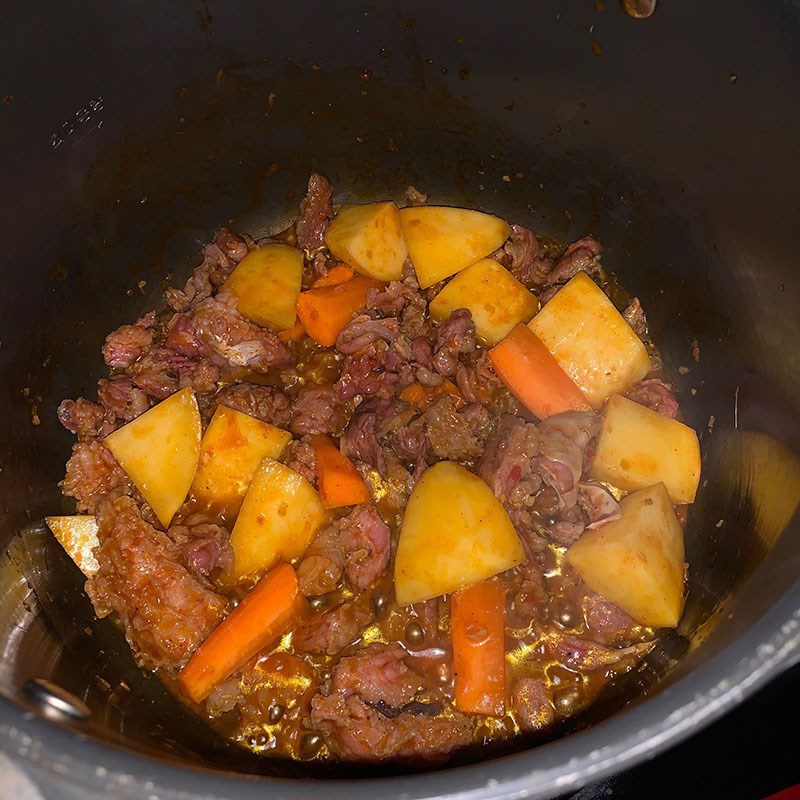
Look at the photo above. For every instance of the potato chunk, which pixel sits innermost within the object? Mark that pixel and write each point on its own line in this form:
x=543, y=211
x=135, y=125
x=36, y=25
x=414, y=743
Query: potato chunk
x=369, y=239
x=233, y=446
x=78, y=536
x=159, y=451
x=455, y=533
x=442, y=240
x=494, y=297
x=280, y=515
x=266, y=284
x=591, y=340
x=637, y=560
x=639, y=447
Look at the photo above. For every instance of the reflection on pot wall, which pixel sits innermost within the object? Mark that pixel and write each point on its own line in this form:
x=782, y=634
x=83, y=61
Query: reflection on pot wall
x=755, y=495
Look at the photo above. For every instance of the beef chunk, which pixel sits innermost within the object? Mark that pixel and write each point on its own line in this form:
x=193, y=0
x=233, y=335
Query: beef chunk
x=166, y=612
x=262, y=402
x=332, y=630
x=315, y=213
x=124, y=346
x=92, y=475
x=356, y=545
x=376, y=708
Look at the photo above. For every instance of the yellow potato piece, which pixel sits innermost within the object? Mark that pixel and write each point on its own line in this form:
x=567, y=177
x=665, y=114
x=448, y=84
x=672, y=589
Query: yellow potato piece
x=280, y=515
x=637, y=560
x=233, y=446
x=638, y=447
x=369, y=239
x=494, y=297
x=159, y=451
x=455, y=533
x=591, y=340
x=442, y=240
x=78, y=536
x=266, y=284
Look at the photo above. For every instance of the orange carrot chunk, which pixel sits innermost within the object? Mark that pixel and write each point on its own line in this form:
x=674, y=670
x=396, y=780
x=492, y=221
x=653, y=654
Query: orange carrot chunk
x=422, y=396
x=533, y=376
x=340, y=273
x=264, y=614
x=324, y=312
x=477, y=628
x=338, y=480
x=294, y=333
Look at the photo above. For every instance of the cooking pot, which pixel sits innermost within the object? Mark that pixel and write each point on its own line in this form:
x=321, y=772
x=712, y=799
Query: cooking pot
x=130, y=131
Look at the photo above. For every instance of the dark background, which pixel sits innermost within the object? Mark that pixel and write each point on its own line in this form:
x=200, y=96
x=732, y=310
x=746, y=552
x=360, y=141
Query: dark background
x=750, y=754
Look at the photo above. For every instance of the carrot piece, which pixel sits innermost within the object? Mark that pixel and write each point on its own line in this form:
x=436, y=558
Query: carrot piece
x=260, y=618
x=533, y=376
x=338, y=480
x=294, y=333
x=422, y=396
x=477, y=628
x=340, y=273
x=415, y=395
x=324, y=312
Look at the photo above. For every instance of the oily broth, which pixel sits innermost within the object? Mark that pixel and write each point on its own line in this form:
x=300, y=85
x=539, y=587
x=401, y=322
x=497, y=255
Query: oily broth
x=298, y=677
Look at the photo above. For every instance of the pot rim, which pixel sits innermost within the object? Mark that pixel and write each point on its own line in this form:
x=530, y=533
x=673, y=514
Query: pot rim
x=641, y=731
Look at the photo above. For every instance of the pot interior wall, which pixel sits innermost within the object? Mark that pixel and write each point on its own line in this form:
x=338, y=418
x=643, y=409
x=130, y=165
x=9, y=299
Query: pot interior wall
x=672, y=147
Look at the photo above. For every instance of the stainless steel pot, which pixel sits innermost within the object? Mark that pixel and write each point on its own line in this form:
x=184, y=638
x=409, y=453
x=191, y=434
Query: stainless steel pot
x=130, y=132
